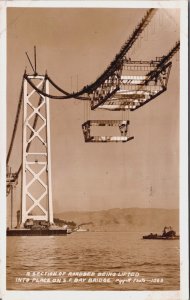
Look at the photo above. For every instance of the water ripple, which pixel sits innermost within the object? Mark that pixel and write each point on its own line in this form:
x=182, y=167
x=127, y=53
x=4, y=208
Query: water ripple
x=94, y=252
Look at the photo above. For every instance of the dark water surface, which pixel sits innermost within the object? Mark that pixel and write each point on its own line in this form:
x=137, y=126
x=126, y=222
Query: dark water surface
x=154, y=263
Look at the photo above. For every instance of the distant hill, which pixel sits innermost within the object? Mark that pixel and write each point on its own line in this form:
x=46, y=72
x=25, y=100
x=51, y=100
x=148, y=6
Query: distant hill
x=126, y=219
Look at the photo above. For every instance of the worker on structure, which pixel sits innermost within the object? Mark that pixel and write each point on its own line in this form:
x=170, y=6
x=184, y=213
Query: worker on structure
x=86, y=131
x=123, y=127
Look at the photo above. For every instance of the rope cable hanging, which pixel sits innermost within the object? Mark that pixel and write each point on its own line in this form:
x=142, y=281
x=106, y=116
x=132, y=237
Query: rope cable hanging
x=16, y=121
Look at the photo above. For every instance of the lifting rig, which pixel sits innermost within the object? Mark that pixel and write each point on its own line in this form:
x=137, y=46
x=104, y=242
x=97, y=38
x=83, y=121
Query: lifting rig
x=124, y=85
x=139, y=83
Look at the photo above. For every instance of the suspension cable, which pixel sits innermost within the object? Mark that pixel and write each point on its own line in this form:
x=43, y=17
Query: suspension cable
x=64, y=92
x=149, y=76
x=67, y=96
x=125, y=48
x=16, y=121
x=163, y=61
x=162, y=65
x=115, y=64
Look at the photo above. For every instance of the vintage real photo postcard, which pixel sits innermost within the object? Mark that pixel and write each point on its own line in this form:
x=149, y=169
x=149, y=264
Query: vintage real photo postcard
x=94, y=195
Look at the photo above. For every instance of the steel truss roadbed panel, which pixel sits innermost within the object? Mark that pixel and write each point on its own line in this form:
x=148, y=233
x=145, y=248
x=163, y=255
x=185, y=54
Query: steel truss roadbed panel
x=119, y=104
x=137, y=85
x=121, y=124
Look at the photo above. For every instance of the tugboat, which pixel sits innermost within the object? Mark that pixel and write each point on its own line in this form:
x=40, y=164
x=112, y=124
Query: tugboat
x=167, y=234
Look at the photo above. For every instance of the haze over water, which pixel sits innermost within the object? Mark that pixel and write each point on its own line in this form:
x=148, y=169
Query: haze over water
x=95, y=252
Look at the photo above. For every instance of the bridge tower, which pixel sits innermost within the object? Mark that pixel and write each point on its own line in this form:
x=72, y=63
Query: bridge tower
x=36, y=200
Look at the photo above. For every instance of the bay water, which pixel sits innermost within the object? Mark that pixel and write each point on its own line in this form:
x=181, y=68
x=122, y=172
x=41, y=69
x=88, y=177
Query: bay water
x=92, y=261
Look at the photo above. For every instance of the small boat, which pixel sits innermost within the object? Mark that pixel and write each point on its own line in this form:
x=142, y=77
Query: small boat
x=167, y=234
x=80, y=229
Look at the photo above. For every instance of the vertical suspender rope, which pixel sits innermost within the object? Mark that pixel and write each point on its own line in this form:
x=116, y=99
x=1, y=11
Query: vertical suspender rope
x=84, y=111
x=35, y=60
x=88, y=103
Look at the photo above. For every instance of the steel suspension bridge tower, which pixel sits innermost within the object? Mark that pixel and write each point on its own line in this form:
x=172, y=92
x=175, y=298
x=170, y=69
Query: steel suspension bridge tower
x=36, y=200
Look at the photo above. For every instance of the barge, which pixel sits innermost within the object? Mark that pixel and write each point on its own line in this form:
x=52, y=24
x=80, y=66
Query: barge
x=37, y=228
x=36, y=232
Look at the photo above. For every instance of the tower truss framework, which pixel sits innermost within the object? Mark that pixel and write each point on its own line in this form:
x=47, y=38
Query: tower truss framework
x=36, y=155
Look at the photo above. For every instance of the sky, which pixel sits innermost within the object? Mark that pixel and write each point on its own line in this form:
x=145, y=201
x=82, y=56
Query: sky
x=80, y=43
